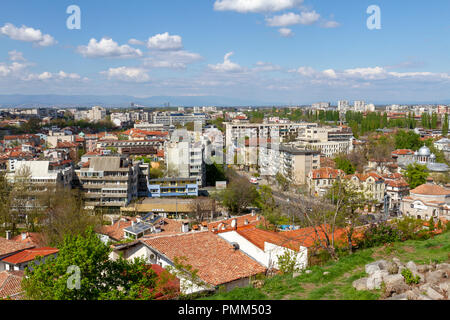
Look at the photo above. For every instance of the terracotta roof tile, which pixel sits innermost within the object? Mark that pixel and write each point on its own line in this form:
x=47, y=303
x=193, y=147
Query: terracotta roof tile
x=10, y=285
x=215, y=259
x=325, y=173
x=241, y=221
x=30, y=255
x=430, y=189
x=9, y=246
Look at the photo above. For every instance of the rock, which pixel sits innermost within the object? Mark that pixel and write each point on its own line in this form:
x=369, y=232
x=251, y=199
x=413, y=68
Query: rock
x=423, y=297
x=398, y=297
x=296, y=274
x=376, y=279
x=434, y=277
x=395, y=284
x=360, y=284
x=423, y=268
x=445, y=287
x=421, y=276
x=433, y=294
x=443, y=266
x=258, y=284
x=424, y=287
x=392, y=268
x=308, y=271
x=413, y=294
x=397, y=261
x=326, y=273
x=372, y=268
x=411, y=266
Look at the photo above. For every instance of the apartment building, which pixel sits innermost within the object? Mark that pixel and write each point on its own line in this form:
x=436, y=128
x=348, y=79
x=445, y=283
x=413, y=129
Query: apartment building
x=94, y=115
x=237, y=132
x=328, y=140
x=185, y=159
x=168, y=119
x=108, y=181
x=292, y=162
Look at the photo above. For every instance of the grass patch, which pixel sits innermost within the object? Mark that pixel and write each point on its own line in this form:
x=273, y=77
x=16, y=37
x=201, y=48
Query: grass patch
x=338, y=284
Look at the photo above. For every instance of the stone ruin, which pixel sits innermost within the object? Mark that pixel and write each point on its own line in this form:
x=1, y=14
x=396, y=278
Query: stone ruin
x=434, y=283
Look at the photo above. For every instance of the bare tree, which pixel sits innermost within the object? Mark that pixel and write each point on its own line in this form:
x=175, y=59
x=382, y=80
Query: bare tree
x=201, y=208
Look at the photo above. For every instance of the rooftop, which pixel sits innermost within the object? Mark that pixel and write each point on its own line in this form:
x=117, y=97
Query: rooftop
x=29, y=255
x=10, y=284
x=430, y=189
x=10, y=246
x=215, y=259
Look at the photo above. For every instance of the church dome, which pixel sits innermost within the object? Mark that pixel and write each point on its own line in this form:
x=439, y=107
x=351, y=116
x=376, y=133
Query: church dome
x=424, y=151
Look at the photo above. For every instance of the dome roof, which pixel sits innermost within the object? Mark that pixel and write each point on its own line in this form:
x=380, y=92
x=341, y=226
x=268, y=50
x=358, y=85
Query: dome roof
x=424, y=151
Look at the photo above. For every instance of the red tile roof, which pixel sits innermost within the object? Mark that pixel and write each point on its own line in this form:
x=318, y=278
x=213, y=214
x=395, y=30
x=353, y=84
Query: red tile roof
x=10, y=246
x=115, y=231
x=430, y=189
x=10, y=285
x=215, y=259
x=402, y=152
x=258, y=237
x=32, y=238
x=241, y=221
x=29, y=255
x=326, y=173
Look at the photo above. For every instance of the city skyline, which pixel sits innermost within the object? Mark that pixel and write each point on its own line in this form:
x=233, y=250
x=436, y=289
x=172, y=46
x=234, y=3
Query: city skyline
x=279, y=51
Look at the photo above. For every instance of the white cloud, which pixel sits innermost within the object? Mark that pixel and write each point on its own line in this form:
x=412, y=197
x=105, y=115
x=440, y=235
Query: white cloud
x=108, y=48
x=136, y=42
x=14, y=69
x=27, y=34
x=16, y=56
x=128, y=74
x=244, y=6
x=265, y=66
x=290, y=18
x=284, y=20
x=330, y=24
x=61, y=75
x=165, y=41
x=227, y=65
x=285, y=32
x=171, y=59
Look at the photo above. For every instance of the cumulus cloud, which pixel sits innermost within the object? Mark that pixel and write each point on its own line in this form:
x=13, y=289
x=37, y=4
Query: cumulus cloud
x=128, y=74
x=108, y=48
x=227, y=65
x=244, y=6
x=61, y=75
x=27, y=34
x=285, y=32
x=136, y=42
x=16, y=56
x=171, y=59
x=165, y=41
x=265, y=66
x=330, y=24
x=290, y=18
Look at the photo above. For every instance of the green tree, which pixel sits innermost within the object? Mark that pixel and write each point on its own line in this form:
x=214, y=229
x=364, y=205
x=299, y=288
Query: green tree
x=445, y=126
x=282, y=181
x=344, y=164
x=416, y=175
x=407, y=140
x=100, y=278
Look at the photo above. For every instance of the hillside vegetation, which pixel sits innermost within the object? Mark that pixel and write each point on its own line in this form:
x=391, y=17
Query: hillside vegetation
x=337, y=283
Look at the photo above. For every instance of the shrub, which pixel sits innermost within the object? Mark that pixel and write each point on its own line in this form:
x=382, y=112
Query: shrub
x=409, y=277
x=379, y=234
x=287, y=262
x=411, y=228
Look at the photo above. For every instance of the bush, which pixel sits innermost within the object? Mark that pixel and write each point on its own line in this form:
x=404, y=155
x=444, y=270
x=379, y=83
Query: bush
x=409, y=277
x=379, y=234
x=412, y=229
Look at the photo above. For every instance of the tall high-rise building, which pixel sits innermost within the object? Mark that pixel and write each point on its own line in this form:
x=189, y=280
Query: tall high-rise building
x=343, y=105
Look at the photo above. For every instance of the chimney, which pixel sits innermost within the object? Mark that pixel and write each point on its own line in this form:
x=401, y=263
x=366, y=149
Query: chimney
x=8, y=235
x=253, y=213
x=185, y=227
x=234, y=223
x=24, y=235
x=246, y=222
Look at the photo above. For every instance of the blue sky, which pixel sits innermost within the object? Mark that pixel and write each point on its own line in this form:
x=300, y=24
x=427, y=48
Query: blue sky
x=287, y=51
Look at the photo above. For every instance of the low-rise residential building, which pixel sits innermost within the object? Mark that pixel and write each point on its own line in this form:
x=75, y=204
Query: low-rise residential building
x=266, y=247
x=370, y=184
x=22, y=260
x=11, y=285
x=218, y=262
x=173, y=187
x=426, y=201
x=320, y=180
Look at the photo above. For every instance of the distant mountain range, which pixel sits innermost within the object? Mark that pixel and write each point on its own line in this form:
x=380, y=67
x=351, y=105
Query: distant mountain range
x=124, y=101
x=17, y=100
